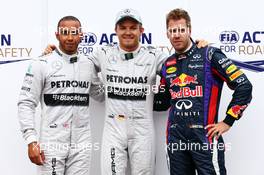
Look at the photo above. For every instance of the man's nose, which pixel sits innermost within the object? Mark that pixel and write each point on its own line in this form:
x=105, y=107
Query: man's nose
x=70, y=37
x=176, y=34
x=127, y=31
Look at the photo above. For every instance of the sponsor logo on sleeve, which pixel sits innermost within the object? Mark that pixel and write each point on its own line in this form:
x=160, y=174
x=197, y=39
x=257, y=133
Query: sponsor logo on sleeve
x=235, y=75
x=231, y=69
x=236, y=110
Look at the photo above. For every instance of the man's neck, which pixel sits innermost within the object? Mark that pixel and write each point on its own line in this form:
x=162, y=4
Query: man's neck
x=187, y=48
x=129, y=49
x=67, y=53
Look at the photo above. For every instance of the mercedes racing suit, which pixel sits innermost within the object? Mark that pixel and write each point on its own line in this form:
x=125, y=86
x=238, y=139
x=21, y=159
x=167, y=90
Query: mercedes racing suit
x=194, y=81
x=128, y=129
x=62, y=84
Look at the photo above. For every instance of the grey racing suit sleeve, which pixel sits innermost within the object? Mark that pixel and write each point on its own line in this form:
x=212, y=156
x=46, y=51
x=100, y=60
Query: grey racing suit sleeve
x=97, y=87
x=29, y=99
x=95, y=56
x=161, y=58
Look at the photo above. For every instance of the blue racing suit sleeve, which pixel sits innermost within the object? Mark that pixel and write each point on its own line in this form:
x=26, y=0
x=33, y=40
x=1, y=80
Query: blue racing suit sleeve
x=225, y=69
x=162, y=98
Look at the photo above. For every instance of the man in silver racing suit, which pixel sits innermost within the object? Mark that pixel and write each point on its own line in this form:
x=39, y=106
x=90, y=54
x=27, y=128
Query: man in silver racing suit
x=62, y=82
x=129, y=72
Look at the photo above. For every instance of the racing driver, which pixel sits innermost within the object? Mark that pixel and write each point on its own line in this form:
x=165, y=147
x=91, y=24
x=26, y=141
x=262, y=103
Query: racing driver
x=62, y=82
x=194, y=78
x=129, y=72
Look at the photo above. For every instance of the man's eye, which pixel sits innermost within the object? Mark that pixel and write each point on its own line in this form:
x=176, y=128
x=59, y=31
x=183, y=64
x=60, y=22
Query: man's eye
x=180, y=30
x=173, y=31
x=133, y=28
x=183, y=30
x=67, y=32
x=74, y=32
x=64, y=32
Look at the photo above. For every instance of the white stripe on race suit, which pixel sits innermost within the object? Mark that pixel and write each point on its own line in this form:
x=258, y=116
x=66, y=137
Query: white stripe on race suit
x=167, y=157
x=215, y=157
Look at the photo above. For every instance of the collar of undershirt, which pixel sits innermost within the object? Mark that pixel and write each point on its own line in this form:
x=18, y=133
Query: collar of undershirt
x=129, y=55
x=69, y=58
x=187, y=52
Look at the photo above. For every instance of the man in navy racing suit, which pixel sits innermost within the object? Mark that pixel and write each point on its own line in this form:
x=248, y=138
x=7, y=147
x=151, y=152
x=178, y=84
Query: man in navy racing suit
x=193, y=79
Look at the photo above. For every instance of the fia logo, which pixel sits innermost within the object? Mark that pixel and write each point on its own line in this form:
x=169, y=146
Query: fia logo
x=229, y=37
x=88, y=39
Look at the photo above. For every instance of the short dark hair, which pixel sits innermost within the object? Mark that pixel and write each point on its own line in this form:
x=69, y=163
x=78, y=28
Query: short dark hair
x=177, y=14
x=68, y=18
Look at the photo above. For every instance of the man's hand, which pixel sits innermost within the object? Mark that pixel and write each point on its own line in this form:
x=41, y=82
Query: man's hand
x=49, y=49
x=217, y=129
x=35, y=155
x=201, y=43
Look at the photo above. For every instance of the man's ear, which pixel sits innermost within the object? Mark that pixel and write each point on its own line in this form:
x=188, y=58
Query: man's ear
x=80, y=37
x=168, y=35
x=190, y=31
x=141, y=30
x=57, y=35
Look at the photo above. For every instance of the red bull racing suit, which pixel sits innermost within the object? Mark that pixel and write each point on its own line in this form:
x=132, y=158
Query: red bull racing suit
x=194, y=81
x=128, y=129
x=62, y=84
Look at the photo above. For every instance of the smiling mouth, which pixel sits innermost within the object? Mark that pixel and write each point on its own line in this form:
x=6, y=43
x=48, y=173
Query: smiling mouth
x=128, y=38
x=70, y=44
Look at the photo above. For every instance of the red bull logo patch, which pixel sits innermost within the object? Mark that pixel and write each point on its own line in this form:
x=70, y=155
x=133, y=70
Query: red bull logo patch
x=236, y=110
x=186, y=92
x=184, y=80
